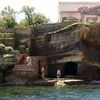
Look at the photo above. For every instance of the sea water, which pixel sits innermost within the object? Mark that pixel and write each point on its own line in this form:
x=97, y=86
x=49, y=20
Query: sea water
x=84, y=92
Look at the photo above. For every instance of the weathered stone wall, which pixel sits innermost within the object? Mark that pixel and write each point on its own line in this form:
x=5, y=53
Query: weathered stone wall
x=61, y=47
x=38, y=62
x=7, y=39
x=49, y=27
x=23, y=74
x=89, y=72
x=62, y=42
x=19, y=34
x=91, y=52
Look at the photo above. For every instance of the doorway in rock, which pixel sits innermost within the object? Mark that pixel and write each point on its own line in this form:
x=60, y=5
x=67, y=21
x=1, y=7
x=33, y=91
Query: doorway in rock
x=70, y=68
x=39, y=69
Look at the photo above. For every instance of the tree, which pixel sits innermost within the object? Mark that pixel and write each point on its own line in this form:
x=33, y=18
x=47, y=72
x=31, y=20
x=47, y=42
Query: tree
x=39, y=19
x=1, y=22
x=28, y=11
x=32, y=18
x=8, y=17
x=23, y=24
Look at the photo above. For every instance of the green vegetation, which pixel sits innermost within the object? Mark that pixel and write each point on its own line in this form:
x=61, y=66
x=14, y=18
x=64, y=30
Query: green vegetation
x=8, y=18
x=23, y=49
x=39, y=19
x=7, y=60
x=32, y=18
x=7, y=39
x=6, y=35
x=28, y=11
x=9, y=49
x=90, y=33
x=23, y=24
x=72, y=25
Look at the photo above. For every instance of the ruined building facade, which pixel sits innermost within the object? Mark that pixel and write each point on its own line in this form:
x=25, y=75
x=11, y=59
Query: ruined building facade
x=86, y=11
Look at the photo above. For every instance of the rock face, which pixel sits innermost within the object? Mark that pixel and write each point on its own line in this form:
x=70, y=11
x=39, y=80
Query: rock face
x=23, y=73
x=17, y=36
x=44, y=29
x=68, y=52
x=65, y=50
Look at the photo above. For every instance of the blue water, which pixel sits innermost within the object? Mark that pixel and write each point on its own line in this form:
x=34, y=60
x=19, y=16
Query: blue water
x=50, y=93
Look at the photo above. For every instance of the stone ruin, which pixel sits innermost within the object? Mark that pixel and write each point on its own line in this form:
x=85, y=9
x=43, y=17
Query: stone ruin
x=72, y=48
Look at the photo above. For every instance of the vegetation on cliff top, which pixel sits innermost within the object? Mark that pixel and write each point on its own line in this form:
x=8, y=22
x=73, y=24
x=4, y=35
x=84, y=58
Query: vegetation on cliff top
x=90, y=33
x=8, y=18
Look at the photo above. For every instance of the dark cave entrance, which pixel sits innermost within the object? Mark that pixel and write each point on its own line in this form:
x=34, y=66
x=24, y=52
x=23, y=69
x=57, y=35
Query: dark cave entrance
x=70, y=68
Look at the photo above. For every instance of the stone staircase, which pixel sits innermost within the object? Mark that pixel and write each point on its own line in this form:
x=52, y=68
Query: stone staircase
x=23, y=67
x=22, y=73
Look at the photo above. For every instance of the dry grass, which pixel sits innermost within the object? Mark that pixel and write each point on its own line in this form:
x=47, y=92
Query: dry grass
x=90, y=33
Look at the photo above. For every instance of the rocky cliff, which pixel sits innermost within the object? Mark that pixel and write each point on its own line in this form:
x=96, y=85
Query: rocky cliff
x=75, y=44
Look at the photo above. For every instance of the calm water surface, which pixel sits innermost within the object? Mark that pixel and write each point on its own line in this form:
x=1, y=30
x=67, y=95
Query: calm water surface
x=50, y=93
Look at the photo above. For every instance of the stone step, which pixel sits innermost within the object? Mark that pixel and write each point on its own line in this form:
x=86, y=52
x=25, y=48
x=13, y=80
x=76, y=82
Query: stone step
x=23, y=67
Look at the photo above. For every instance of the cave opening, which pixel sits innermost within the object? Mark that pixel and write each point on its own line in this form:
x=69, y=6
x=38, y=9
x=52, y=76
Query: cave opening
x=70, y=68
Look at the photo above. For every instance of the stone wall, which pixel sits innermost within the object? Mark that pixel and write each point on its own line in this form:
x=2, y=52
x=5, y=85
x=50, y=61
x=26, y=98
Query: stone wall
x=24, y=74
x=21, y=74
x=19, y=34
x=65, y=46
x=49, y=27
x=7, y=39
x=89, y=72
x=22, y=34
